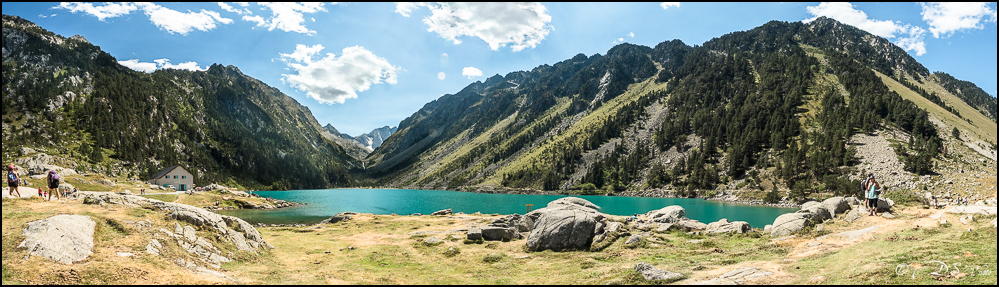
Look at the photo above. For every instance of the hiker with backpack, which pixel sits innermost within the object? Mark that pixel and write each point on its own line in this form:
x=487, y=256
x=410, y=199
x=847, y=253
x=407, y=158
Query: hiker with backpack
x=53, y=180
x=13, y=181
x=872, y=190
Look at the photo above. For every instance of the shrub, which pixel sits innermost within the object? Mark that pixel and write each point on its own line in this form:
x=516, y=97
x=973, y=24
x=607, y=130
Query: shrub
x=452, y=252
x=493, y=258
x=905, y=197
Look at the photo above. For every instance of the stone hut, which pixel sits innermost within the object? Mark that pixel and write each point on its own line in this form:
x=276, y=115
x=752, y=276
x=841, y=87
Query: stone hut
x=175, y=176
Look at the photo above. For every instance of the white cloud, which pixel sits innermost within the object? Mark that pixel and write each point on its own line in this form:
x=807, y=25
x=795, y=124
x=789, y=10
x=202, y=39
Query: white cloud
x=108, y=10
x=844, y=12
x=914, y=42
x=287, y=17
x=631, y=34
x=444, y=58
x=911, y=38
x=441, y=76
x=948, y=17
x=134, y=64
x=519, y=25
x=229, y=8
x=332, y=79
x=667, y=5
x=303, y=53
x=174, y=21
x=170, y=20
x=405, y=8
x=158, y=64
x=471, y=72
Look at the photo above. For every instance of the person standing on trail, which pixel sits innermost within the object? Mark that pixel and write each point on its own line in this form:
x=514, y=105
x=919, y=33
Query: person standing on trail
x=53, y=181
x=873, y=189
x=13, y=181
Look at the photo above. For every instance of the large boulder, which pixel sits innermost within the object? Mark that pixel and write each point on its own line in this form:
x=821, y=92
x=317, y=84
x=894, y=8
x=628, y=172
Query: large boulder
x=810, y=204
x=820, y=212
x=669, y=214
x=791, y=223
x=725, y=226
x=63, y=238
x=652, y=273
x=564, y=228
x=836, y=206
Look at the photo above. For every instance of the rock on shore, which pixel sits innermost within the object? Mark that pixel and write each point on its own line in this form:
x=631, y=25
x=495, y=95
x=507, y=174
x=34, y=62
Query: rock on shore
x=567, y=223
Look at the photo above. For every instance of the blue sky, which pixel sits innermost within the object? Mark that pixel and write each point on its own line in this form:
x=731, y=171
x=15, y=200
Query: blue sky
x=361, y=66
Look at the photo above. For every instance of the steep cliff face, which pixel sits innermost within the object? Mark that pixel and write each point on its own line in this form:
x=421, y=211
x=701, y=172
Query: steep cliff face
x=770, y=108
x=376, y=137
x=68, y=96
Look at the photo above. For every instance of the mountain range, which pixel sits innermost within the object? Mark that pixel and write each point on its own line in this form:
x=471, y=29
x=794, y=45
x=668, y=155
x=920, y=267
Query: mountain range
x=773, y=108
x=67, y=97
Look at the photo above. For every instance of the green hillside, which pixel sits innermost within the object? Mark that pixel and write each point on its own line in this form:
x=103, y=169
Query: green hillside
x=74, y=101
x=775, y=104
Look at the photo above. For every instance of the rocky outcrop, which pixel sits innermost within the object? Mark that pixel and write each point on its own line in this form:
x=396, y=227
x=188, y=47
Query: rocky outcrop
x=41, y=164
x=188, y=239
x=63, y=238
x=791, y=223
x=725, y=226
x=230, y=229
x=652, y=273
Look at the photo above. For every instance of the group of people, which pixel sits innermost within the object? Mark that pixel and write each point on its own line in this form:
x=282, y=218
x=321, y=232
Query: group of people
x=872, y=190
x=14, y=180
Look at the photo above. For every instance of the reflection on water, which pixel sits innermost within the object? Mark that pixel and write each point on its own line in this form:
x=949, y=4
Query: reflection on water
x=325, y=203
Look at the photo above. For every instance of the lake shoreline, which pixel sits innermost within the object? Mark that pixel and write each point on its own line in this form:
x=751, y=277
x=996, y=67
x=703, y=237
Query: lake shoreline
x=645, y=194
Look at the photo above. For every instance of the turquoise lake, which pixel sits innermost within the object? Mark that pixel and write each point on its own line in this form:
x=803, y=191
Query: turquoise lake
x=325, y=203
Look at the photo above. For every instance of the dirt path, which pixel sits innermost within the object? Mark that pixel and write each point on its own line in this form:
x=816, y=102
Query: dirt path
x=26, y=192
